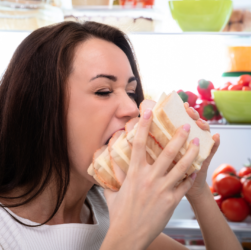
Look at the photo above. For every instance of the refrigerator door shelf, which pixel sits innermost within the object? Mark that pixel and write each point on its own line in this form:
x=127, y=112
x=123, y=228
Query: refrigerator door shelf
x=184, y=225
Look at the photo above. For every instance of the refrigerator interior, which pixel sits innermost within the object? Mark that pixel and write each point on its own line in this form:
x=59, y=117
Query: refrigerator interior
x=170, y=62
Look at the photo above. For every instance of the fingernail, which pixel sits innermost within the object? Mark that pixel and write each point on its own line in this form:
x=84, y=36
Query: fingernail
x=196, y=141
x=193, y=109
x=186, y=127
x=147, y=114
x=193, y=176
x=202, y=121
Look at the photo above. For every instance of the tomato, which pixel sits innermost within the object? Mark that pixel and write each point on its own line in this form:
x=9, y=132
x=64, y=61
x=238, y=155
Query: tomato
x=244, y=80
x=219, y=199
x=212, y=190
x=246, y=190
x=223, y=168
x=246, y=88
x=235, y=87
x=227, y=185
x=246, y=170
x=235, y=209
x=244, y=178
x=226, y=85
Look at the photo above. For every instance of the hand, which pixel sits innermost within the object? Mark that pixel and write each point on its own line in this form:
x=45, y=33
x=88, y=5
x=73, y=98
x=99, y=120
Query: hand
x=200, y=182
x=140, y=210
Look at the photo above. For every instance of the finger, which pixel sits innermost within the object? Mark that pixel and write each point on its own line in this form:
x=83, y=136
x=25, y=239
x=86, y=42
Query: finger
x=193, y=113
x=183, y=165
x=186, y=105
x=215, y=147
x=169, y=153
x=184, y=186
x=203, y=124
x=138, y=155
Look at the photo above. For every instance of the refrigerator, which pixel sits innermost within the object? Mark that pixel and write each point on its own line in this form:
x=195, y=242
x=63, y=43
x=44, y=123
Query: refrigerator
x=172, y=61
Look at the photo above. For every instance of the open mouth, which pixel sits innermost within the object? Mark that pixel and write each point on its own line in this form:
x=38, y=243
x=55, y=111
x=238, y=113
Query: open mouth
x=108, y=141
x=112, y=135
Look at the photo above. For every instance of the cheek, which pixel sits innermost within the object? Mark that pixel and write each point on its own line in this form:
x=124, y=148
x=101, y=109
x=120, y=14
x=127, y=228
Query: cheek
x=87, y=122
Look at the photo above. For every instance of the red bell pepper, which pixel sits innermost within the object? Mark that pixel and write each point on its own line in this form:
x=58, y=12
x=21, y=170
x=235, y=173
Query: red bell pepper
x=204, y=88
x=207, y=110
x=188, y=96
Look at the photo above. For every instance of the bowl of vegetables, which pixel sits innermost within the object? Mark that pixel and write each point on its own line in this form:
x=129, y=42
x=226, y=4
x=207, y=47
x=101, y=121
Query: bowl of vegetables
x=234, y=100
x=201, y=15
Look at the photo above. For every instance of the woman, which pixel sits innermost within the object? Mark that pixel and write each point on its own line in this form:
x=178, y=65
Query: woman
x=67, y=89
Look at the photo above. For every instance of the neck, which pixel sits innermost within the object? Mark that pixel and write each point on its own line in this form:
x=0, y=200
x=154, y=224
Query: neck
x=42, y=207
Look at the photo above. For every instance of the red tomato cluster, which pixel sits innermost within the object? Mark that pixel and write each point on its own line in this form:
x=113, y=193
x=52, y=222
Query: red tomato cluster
x=243, y=84
x=232, y=191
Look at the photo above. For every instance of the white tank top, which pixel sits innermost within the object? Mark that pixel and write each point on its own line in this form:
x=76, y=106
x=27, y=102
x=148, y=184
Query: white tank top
x=72, y=236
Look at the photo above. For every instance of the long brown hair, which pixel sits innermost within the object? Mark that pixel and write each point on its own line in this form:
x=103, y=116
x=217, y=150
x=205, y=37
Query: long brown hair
x=33, y=140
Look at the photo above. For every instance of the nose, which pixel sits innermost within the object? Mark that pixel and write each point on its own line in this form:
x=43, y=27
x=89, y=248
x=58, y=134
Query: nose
x=127, y=107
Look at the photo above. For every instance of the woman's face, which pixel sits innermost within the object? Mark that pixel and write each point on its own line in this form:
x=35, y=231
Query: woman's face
x=101, y=100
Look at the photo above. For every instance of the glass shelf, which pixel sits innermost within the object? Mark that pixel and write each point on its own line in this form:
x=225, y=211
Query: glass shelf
x=190, y=229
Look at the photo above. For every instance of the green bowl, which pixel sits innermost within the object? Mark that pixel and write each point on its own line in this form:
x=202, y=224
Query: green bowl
x=235, y=106
x=201, y=15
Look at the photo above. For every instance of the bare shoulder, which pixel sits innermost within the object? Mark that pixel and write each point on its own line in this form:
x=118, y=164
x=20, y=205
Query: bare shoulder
x=164, y=242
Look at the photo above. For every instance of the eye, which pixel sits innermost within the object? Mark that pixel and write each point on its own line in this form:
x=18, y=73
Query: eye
x=132, y=95
x=103, y=93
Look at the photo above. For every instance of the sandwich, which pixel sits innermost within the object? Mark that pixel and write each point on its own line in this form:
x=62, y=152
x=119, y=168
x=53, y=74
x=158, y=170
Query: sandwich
x=111, y=162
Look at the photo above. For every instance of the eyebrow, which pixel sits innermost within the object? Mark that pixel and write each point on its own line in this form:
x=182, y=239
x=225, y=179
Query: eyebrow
x=113, y=78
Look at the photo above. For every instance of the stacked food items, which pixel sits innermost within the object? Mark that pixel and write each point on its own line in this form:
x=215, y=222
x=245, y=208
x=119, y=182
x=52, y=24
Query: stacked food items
x=123, y=14
x=203, y=102
x=240, y=20
x=111, y=162
x=123, y=22
x=232, y=191
x=28, y=15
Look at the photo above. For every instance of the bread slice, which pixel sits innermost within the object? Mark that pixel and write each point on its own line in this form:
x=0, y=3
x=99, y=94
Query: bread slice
x=103, y=169
x=110, y=164
x=168, y=115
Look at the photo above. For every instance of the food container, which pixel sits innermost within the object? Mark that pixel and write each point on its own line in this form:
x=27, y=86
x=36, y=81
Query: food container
x=240, y=19
x=201, y=15
x=91, y=3
x=28, y=15
x=235, y=106
x=239, y=59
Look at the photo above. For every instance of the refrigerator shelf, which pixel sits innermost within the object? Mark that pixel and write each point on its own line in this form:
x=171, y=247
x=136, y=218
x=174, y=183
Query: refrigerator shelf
x=189, y=229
